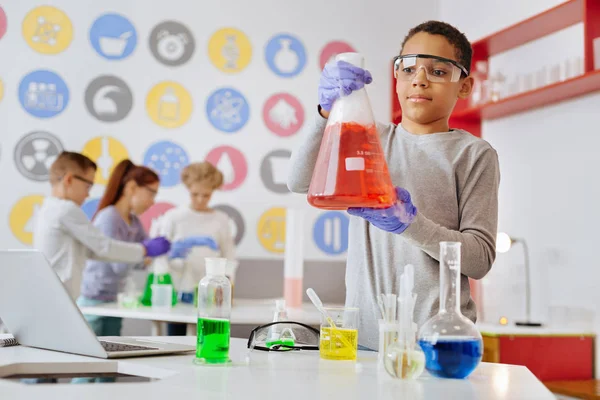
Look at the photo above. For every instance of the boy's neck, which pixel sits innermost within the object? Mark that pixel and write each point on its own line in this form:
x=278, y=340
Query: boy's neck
x=425, y=129
x=203, y=210
x=58, y=192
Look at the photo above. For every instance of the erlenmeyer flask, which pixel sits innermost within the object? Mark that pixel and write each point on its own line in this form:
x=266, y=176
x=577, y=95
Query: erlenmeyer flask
x=351, y=170
x=159, y=276
x=451, y=342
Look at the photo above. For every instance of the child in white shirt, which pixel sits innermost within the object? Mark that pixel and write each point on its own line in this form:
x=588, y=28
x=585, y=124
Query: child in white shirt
x=67, y=238
x=197, y=220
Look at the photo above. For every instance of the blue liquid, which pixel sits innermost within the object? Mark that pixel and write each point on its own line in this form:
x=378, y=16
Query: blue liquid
x=452, y=358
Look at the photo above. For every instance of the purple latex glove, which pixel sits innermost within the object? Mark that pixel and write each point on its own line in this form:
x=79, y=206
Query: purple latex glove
x=340, y=78
x=157, y=246
x=394, y=219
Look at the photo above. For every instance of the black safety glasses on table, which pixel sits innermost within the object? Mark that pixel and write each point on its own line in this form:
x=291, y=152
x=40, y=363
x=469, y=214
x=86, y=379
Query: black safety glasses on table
x=284, y=336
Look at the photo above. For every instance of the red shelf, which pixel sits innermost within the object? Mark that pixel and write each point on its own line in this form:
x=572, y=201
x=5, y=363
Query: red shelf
x=540, y=25
x=553, y=20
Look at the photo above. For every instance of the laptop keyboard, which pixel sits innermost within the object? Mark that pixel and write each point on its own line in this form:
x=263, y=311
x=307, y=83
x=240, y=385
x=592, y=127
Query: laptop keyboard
x=114, y=347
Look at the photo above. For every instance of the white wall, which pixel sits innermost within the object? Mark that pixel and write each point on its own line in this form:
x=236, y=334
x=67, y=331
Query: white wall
x=314, y=22
x=549, y=164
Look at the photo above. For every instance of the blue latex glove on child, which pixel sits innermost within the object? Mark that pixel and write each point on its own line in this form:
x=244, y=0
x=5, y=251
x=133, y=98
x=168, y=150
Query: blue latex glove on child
x=156, y=246
x=181, y=248
x=340, y=78
x=394, y=219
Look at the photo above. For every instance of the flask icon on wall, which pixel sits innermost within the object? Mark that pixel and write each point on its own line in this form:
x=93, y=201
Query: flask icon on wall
x=226, y=167
x=168, y=105
x=286, y=59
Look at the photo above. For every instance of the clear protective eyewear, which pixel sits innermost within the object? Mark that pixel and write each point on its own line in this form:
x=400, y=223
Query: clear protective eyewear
x=437, y=69
x=284, y=336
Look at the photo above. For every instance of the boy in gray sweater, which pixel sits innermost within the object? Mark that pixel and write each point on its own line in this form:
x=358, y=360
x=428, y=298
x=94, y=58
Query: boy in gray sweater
x=446, y=179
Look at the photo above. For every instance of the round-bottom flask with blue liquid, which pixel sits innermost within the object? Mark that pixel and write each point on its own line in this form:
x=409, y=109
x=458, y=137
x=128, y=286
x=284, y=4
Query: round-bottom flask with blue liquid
x=452, y=344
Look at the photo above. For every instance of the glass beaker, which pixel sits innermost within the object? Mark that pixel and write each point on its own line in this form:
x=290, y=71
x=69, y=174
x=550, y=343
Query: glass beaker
x=214, y=312
x=339, y=342
x=351, y=170
x=159, y=276
x=452, y=344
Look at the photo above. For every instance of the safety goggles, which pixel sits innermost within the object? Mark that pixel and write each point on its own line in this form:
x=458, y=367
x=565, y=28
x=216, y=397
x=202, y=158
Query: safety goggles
x=284, y=336
x=437, y=69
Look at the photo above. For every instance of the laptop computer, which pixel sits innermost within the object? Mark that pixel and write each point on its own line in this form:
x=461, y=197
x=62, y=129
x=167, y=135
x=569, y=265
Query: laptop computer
x=39, y=312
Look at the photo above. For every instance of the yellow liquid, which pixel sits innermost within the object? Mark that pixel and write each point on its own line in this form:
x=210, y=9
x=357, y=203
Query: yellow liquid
x=338, y=344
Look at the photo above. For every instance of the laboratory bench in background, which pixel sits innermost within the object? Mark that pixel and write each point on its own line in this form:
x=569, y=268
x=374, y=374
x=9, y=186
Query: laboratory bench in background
x=551, y=354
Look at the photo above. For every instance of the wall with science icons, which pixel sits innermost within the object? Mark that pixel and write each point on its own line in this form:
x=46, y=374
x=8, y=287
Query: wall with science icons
x=170, y=83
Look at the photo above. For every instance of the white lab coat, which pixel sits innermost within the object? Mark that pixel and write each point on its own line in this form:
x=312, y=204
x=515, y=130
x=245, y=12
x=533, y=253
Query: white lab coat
x=67, y=239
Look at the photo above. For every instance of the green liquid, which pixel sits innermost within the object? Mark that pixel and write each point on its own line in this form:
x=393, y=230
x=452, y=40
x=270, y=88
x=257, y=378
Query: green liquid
x=213, y=340
x=162, y=279
x=281, y=342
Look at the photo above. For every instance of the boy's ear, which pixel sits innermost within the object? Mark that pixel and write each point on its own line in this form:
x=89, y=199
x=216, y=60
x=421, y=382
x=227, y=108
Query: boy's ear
x=68, y=178
x=466, y=87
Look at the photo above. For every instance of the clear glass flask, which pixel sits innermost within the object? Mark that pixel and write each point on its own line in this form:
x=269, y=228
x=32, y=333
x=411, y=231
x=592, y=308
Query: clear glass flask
x=351, y=170
x=214, y=313
x=159, y=276
x=452, y=344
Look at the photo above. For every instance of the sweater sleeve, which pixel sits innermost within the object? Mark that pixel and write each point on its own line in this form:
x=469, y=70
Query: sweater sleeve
x=305, y=156
x=478, y=207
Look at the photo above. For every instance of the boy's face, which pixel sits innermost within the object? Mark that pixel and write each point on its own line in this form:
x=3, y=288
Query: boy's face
x=77, y=185
x=200, y=194
x=426, y=103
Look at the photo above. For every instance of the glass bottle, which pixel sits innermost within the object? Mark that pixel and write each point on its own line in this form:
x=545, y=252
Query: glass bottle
x=351, y=170
x=451, y=342
x=214, y=312
x=480, y=94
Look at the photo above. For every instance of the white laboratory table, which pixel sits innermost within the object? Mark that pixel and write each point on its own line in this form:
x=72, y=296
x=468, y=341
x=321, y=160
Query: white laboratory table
x=243, y=312
x=301, y=375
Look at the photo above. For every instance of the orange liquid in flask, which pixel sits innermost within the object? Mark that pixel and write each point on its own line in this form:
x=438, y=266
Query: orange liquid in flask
x=351, y=170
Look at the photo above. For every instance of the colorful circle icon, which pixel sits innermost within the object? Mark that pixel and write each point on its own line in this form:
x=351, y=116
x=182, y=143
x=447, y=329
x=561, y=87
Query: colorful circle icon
x=169, y=104
x=90, y=207
x=332, y=49
x=108, y=98
x=113, y=36
x=156, y=211
x=35, y=153
x=43, y=94
x=232, y=163
x=47, y=30
x=274, y=170
x=230, y=50
x=23, y=216
x=271, y=230
x=227, y=110
x=330, y=232
x=106, y=152
x=285, y=55
x=172, y=43
x=238, y=226
x=1, y=89
x=283, y=114
x=168, y=159
x=3, y=22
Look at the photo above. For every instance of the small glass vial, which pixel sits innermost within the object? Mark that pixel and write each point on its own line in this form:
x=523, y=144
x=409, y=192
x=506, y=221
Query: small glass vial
x=214, y=313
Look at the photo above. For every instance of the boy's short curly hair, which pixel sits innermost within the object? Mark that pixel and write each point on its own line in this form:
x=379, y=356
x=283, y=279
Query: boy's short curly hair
x=203, y=172
x=462, y=46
